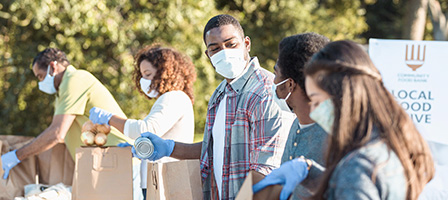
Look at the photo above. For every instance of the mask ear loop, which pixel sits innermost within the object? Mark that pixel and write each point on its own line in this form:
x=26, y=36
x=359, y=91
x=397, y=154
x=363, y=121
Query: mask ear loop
x=289, y=94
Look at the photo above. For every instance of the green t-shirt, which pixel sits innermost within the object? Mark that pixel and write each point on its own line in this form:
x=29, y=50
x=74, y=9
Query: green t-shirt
x=78, y=93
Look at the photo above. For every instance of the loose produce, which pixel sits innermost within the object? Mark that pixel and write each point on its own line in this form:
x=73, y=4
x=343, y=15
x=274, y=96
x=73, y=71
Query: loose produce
x=94, y=134
x=88, y=126
x=87, y=138
x=104, y=128
x=100, y=139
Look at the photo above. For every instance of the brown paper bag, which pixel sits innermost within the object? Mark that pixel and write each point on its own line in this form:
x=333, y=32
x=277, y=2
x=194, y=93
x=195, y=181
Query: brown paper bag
x=22, y=174
x=55, y=166
x=102, y=173
x=246, y=192
x=180, y=180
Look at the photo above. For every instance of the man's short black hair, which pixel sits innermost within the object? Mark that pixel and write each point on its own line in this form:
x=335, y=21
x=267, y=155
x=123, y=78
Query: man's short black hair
x=221, y=20
x=295, y=51
x=48, y=55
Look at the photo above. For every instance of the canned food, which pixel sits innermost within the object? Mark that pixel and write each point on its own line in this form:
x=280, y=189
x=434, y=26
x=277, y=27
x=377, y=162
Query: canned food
x=143, y=147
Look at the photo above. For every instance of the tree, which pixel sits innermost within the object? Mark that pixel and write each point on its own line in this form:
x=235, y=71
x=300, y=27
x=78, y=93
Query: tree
x=101, y=37
x=415, y=19
x=438, y=19
x=268, y=21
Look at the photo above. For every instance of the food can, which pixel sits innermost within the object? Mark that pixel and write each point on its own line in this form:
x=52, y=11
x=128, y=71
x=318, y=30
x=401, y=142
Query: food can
x=143, y=147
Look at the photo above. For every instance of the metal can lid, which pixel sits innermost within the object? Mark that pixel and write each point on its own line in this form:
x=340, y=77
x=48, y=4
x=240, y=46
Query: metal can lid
x=143, y=147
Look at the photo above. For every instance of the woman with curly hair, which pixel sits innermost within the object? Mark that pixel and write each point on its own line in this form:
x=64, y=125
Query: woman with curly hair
x=166, y=75
x=375, y=151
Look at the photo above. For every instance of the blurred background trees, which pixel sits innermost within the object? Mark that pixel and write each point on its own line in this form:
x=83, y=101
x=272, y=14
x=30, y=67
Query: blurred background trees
x=103, y=36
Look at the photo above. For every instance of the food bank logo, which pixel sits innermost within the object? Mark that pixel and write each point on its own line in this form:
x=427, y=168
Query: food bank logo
x=415, y=56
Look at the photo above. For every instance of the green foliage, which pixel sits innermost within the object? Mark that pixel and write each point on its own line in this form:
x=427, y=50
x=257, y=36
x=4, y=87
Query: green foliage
x=102, y=37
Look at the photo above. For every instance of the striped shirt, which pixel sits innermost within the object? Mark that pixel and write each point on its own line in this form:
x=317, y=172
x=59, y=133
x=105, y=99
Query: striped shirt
x=254, y=131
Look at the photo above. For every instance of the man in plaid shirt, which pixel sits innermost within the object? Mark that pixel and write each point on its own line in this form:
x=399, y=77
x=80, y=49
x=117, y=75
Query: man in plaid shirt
x=245, y=128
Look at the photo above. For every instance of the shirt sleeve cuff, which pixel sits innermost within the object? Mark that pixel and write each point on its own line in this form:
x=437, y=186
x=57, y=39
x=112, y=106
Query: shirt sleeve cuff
x=263, y=169
x=312, y=180
x=126, y=128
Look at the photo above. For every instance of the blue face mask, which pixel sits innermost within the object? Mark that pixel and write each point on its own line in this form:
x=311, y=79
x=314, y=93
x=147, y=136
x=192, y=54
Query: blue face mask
x=323, y=115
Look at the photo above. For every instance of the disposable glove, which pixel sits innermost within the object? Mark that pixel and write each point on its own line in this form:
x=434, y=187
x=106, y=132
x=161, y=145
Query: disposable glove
x=289, y=175
x=162, y=147
x=100, y=116
x=9, y=160
x=125, y=144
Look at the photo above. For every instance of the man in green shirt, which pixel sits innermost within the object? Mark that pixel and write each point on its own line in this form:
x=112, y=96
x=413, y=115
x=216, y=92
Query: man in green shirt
x=77, y=91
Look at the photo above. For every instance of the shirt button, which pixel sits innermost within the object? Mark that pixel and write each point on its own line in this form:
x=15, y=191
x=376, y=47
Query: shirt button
x=295, y=144
x=290, y=157
x=298, y=131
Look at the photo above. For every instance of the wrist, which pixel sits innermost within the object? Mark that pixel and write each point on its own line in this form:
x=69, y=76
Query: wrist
x=171, y=145
x=309, y=163
x=17, y=160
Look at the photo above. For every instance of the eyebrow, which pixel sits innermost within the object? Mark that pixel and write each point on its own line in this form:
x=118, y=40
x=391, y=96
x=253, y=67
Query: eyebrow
x=211, y=44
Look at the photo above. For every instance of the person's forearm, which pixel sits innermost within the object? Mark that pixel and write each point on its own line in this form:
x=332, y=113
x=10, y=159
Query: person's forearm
x=46, y=140
x=117, y=122
x=183, y=151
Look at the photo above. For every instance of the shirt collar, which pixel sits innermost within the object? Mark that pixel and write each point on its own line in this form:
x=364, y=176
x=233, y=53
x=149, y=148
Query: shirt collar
x=69, y=70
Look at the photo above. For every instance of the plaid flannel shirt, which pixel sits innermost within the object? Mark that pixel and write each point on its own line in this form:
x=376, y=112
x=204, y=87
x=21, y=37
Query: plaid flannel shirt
x=253, y=131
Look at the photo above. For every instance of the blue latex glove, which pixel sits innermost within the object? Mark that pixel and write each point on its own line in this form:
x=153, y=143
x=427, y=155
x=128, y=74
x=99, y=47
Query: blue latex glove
x=289, y=175
x=100, y=116
x=125, y=144
x=162, y=147
x=9, y=160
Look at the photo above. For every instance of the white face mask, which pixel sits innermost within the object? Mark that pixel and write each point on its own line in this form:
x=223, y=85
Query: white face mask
x=281, y=102
x=145, y=86
x=47, y=85
x=323, y=115
x=229, y=63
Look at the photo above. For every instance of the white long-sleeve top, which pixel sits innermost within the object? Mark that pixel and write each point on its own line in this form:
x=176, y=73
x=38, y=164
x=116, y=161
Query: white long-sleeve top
x=171, y=117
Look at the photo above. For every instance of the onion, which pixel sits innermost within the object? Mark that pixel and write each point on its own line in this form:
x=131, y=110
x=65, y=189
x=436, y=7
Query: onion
x=88, y=126
x=87, y=138
x=104, y=128
x=100, y=139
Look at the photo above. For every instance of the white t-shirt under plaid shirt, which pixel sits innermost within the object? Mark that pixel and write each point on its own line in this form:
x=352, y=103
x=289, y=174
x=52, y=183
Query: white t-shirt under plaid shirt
x=254, y=131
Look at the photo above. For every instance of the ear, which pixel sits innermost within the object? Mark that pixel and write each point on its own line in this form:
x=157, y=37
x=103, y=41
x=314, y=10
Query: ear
x=53, y=67
x=291, y=85
x=247, y=43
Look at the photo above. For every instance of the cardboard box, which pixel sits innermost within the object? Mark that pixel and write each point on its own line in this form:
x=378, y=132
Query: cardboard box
x=174, y=180
x=102, y=173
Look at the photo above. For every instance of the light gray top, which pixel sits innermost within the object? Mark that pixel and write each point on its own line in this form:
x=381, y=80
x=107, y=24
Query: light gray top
x=352, y=178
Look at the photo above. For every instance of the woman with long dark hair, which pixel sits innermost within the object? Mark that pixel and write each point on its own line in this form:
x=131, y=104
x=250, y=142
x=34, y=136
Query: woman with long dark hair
x=375, y=151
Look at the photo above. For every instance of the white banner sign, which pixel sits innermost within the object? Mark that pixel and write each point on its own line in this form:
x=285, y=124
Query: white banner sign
x=416, y=73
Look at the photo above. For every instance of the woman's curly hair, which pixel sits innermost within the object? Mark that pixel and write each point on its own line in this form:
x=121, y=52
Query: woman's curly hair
x=175, y=71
